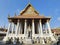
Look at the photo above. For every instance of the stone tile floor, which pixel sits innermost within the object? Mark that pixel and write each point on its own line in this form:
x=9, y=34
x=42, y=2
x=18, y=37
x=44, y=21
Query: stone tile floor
x=29, y=44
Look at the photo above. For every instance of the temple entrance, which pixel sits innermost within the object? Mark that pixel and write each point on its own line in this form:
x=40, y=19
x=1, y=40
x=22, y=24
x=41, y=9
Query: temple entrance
x=29, y=35
x=29, y=28
x=29, y=32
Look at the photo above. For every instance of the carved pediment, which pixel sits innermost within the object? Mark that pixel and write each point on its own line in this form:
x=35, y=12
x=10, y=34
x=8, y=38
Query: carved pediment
x=29, y=10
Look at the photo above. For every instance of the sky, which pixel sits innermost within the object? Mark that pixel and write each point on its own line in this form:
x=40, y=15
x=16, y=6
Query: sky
x=44, y=7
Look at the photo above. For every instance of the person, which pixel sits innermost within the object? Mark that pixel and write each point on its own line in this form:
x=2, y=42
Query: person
x=58, y=43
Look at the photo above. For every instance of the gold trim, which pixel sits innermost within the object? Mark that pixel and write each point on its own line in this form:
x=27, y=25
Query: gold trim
x=26, y=7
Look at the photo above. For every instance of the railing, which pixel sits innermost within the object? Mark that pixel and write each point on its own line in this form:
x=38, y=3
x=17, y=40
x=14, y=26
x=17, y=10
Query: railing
x=1, y=32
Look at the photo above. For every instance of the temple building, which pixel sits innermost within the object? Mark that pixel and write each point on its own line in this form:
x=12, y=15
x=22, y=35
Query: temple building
x=3, y=32
x=29, y=26
x=56, y=31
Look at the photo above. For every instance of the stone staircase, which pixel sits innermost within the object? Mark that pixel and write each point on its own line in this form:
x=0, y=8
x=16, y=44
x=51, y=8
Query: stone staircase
x=37, y=44
x=28, y=41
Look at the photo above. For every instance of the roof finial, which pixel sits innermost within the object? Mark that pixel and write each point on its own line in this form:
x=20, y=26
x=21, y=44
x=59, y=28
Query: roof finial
x=29, y=1
x=15, y=13
x=4, y=27
x=8, y=15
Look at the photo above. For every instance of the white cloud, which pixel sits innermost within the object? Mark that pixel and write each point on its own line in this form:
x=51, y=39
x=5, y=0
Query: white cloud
x=58, y=18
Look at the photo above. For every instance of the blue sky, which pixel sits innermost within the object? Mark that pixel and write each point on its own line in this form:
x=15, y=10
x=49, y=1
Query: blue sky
x=44, y=7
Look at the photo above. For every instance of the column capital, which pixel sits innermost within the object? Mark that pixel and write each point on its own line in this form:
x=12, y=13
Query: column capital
x=10, y=20
x=47, y=20
x=25, y=20
x=40, y=20
x=32, y=20
x=18, y=20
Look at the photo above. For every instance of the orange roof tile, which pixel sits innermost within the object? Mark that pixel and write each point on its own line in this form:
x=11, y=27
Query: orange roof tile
x=30, y=16
x=57, y=31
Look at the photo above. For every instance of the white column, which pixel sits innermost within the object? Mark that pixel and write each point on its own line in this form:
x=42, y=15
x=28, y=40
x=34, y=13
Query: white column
x=8, y=31
x=17, y=27
x=12, y=27
x=25, y=27
x=21, y=29
x=50, y=33
x=46, y=31
x=41, y=27
x=9, y=27
x=33, y=28
x=49, y=29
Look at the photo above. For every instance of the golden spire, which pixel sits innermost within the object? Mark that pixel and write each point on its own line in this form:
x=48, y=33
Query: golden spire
x=4, y=26
x=15, y=14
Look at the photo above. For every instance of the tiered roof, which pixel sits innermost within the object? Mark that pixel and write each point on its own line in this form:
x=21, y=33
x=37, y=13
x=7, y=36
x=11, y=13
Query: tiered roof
x=29, y=12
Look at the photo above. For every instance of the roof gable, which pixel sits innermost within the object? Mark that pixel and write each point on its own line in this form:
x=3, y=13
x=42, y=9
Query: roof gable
x=29, y=10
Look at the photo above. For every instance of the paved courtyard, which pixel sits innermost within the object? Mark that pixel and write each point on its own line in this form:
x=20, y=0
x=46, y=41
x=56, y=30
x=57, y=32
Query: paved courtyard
x=29, y=44
x=54, y=43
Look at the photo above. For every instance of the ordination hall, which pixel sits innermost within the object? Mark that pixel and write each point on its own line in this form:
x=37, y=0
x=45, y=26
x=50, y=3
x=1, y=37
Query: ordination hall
x=29, y=27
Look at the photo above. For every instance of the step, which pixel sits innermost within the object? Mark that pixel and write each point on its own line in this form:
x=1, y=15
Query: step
x=28, y=41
